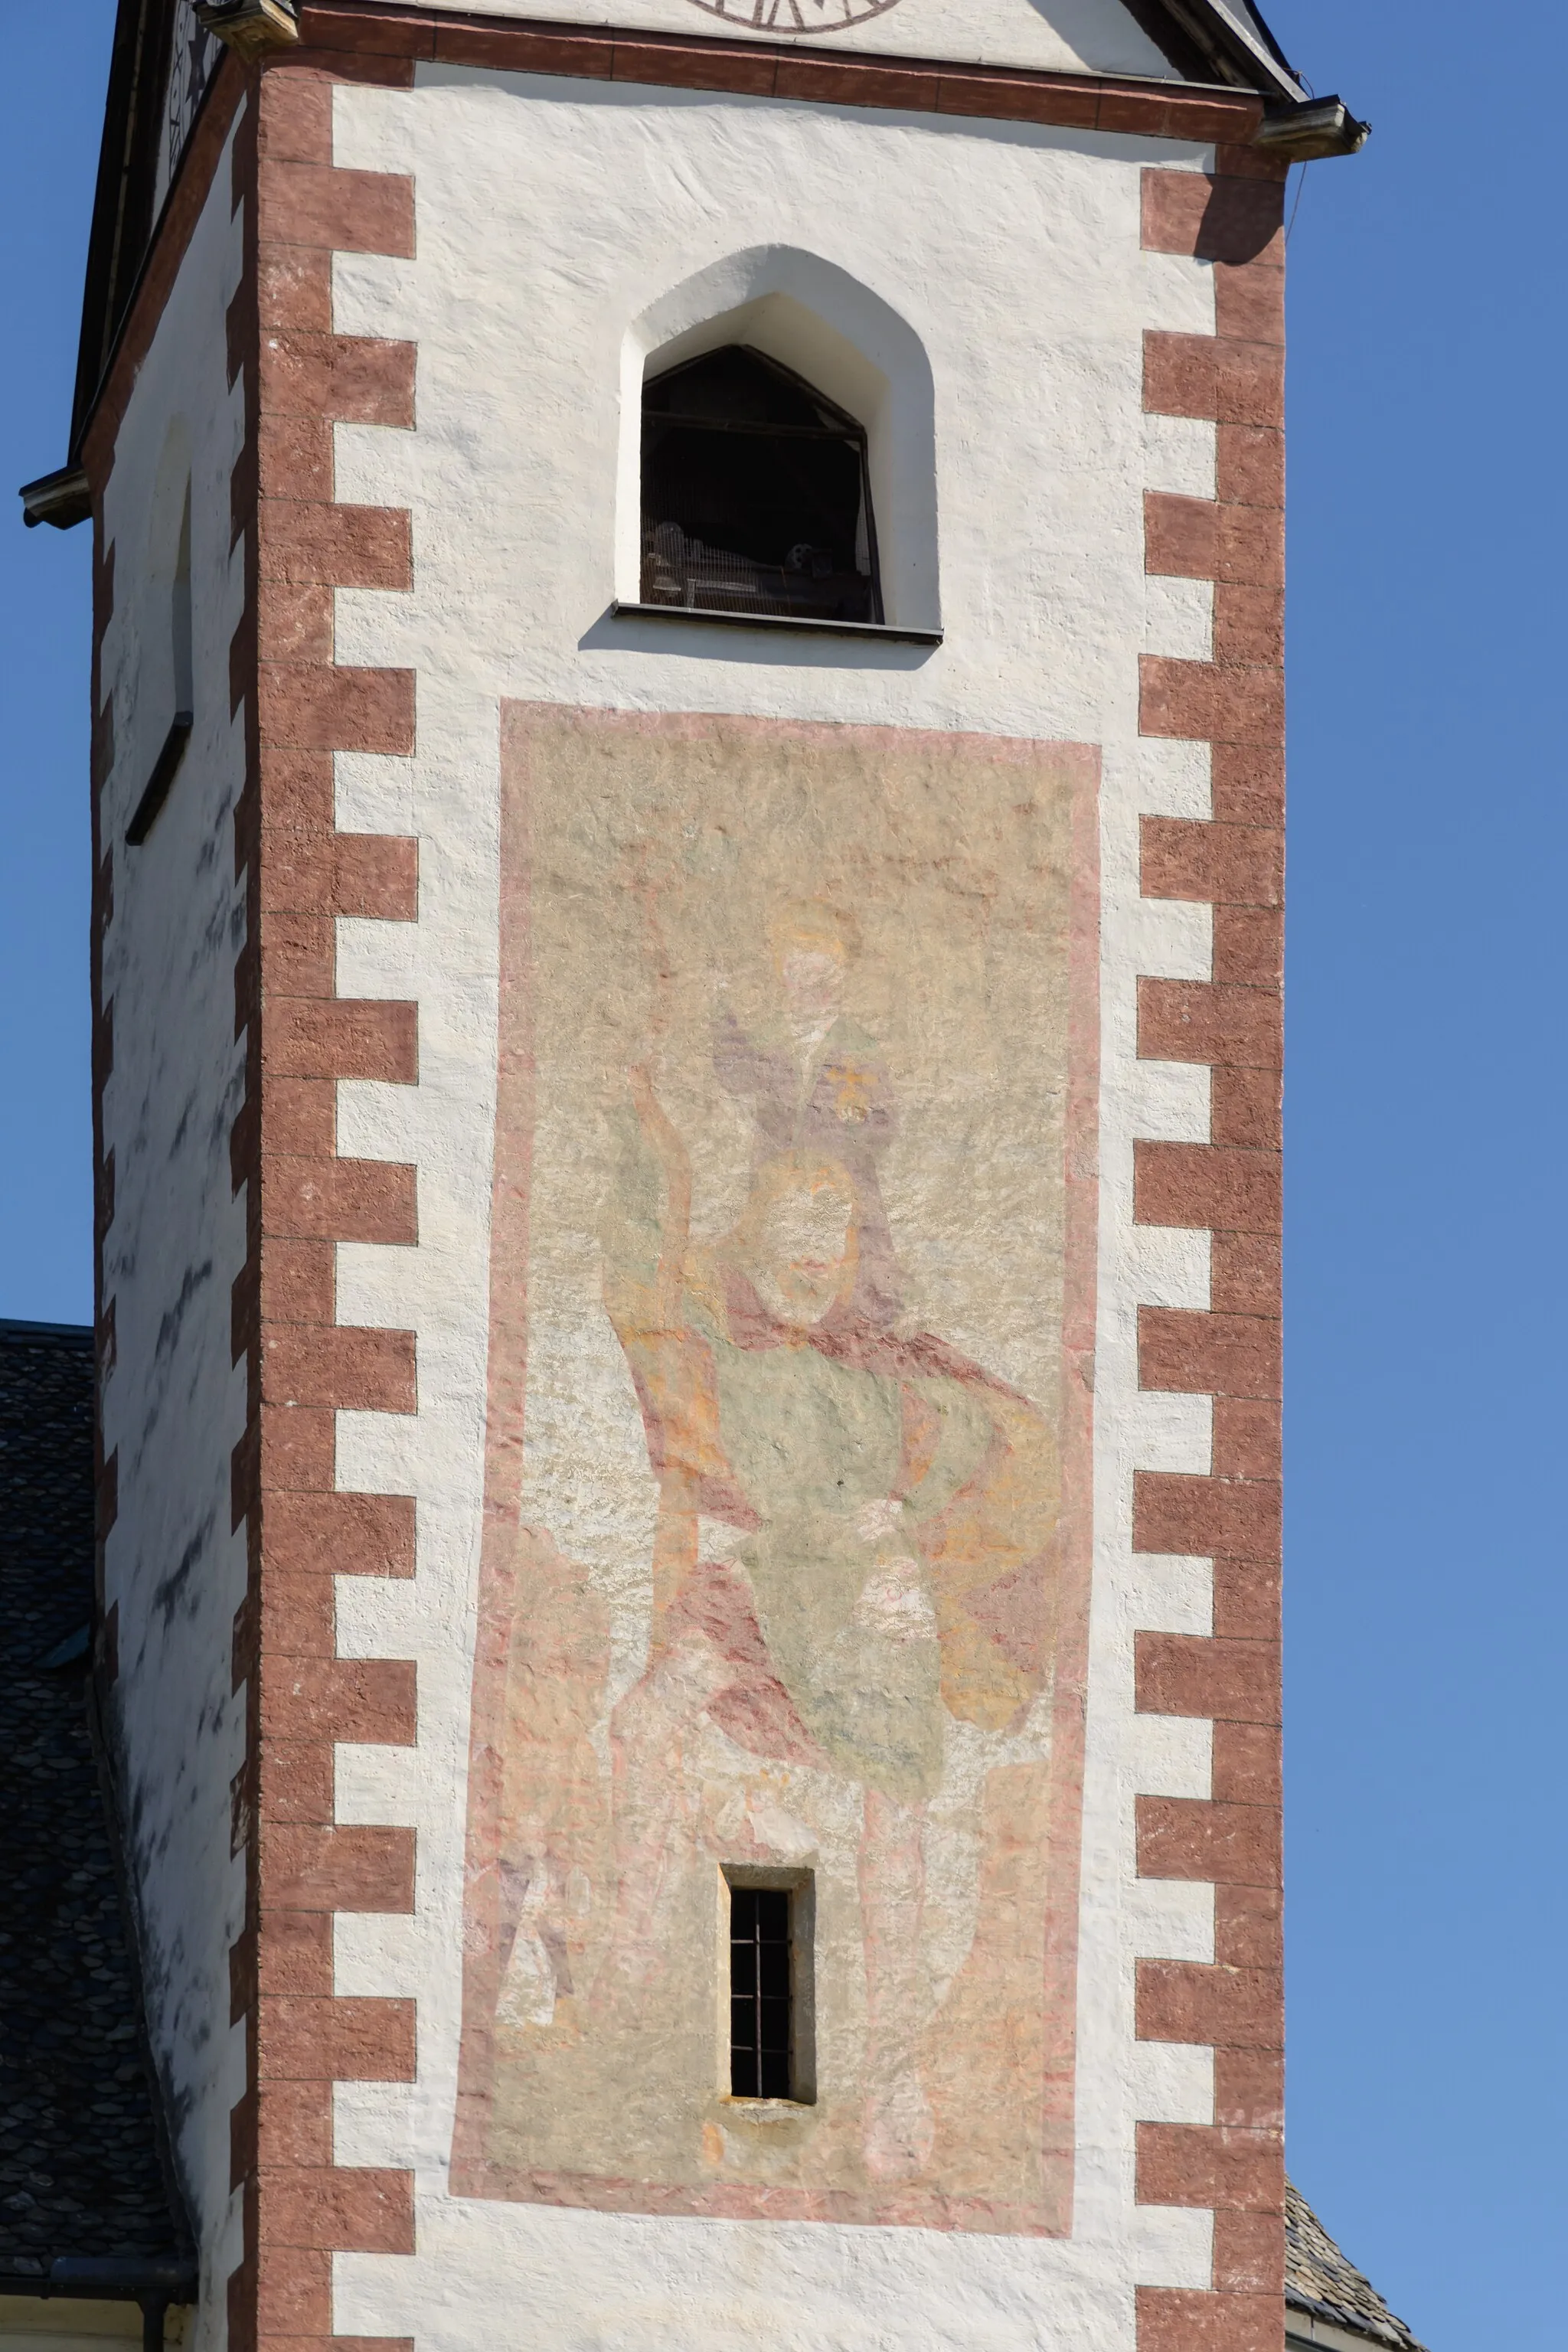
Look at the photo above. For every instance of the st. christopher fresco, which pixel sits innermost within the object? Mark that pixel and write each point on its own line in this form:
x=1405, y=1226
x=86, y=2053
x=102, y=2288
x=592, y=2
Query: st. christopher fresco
x=785, y=1543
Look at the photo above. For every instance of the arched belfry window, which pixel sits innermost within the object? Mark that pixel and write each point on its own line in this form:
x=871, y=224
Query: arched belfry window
x=755, y=494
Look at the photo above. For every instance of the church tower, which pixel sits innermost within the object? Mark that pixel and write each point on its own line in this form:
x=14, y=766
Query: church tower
x=688, y=788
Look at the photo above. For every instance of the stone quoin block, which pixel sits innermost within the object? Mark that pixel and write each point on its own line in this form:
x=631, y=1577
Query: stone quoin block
x=341, y=1200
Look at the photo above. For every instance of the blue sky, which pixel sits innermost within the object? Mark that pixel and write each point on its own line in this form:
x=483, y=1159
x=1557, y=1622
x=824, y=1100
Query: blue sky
x=1427, y=1134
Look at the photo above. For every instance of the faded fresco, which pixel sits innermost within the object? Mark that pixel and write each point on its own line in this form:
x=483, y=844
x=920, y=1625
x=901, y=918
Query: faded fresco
x=786, y=1530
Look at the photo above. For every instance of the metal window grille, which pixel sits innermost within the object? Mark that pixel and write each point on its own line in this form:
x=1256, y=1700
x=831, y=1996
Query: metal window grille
x=761, y=2004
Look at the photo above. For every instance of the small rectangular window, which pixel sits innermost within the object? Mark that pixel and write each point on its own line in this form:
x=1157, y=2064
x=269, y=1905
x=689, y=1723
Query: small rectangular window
x=762, y=1993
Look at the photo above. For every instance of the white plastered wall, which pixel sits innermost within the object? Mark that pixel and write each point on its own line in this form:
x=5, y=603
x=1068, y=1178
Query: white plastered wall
x=552, y=217
x=173, y=1406
x=1050, y=35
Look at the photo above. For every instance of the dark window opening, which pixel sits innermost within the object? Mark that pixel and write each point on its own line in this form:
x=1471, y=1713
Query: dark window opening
x=180, y=612
x=762, y=2003
x=755, y=494
x=166, y=767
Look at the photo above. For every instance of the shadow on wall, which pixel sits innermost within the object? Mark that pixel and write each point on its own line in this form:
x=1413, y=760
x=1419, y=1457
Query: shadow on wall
x=623, y=632
x=1105, y=40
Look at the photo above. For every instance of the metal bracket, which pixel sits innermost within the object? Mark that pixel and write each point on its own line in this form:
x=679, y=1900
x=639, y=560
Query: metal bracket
x=1323, y=126
x=250, y=27
x=62, y=499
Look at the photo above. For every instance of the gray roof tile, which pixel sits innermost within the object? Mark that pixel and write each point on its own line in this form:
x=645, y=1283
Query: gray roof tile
x=1319, y=2280
x=80, y=2174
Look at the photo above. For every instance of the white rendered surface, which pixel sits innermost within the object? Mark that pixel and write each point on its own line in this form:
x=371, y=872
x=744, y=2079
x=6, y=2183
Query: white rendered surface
x=1051, y=35
x=554, y=218
x=173, y=1406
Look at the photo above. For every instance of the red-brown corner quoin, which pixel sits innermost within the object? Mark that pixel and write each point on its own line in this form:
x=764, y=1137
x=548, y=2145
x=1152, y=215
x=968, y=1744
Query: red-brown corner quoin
x=1231, y=1186
x=302, y=1037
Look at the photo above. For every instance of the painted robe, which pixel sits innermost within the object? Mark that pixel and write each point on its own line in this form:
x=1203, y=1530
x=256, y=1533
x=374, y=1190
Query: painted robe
x=843, y=1650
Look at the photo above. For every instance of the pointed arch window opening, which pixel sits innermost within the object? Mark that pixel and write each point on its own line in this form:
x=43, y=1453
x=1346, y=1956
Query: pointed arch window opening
x=756, y=494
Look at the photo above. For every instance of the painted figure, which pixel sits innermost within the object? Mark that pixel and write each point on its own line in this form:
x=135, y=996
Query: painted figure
x=888, y=1511
x=817, y=1082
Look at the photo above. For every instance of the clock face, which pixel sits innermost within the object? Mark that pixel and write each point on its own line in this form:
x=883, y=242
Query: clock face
x=794, y=17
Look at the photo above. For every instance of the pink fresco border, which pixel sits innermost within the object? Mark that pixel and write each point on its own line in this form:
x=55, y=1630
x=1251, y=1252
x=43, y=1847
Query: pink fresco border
x=472, y=2175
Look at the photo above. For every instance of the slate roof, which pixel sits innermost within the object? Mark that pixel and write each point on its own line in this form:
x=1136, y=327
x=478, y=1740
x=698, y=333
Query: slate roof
x=1320, y=2281
x=80, y=2175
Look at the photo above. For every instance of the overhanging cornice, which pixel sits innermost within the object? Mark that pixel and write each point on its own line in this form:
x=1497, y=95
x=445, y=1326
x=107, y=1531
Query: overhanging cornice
x=1228, y=42
x=1218, y=44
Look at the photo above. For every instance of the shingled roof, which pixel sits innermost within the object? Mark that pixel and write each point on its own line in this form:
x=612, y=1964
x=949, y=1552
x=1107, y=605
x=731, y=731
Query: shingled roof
x=1320, y=2282
x=81, y=2179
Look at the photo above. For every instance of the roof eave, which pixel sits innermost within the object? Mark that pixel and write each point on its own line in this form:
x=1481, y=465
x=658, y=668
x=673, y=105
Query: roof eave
x=1240, y=51
x=109, y=2278
x=1393, y=2339
x=1237, y=54
x=1238, y=48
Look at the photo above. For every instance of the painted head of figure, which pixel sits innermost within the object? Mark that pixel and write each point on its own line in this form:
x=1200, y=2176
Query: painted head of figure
x=797, y=1238
x=814, y=945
